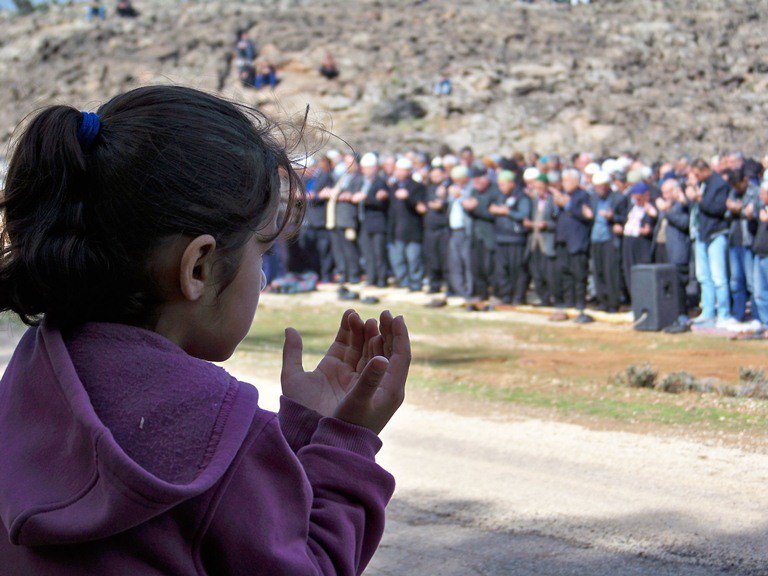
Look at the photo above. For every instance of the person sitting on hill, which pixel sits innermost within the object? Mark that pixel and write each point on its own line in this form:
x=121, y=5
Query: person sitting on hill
x=266, y=74
x=328, y=68
x=125, y=9
x=96, y=10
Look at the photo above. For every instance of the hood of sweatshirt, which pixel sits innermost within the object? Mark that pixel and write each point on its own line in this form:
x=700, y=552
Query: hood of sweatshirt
x=64, y=477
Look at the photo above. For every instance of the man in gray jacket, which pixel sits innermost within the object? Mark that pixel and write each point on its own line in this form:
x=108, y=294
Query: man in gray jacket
x=541, y=240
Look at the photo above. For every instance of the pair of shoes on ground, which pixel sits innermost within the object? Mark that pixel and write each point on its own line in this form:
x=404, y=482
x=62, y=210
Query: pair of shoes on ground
x=347, y=294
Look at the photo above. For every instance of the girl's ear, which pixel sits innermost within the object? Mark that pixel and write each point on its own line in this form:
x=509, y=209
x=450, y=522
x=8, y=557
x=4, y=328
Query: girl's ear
x=196, y=267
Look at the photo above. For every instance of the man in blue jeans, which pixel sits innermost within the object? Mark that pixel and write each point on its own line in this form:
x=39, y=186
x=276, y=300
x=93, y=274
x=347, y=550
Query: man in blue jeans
x=759, y=213
x=406, y=229
x=740, y=255
x=708, y=193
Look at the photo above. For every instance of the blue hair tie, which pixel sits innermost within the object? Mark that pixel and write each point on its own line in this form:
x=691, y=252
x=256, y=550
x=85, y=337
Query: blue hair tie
x=88, y=129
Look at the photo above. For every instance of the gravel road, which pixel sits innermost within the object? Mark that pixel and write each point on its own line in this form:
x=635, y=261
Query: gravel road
x=492, y=497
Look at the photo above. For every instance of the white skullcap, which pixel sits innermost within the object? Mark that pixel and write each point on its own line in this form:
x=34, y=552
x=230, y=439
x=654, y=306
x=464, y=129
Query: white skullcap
x=450, y=159
x=610, y=166
x=531, y=174
x=437, y=162
x=591, y=169
x=624, y=163
x=646, y=172
x=459, y=172
x=333, y=154
x=369, y=160
x=404, y=163
x=305, y=162
x=600, y=178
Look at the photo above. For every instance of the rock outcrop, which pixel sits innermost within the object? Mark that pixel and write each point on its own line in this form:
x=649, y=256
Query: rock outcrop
x=659, y=77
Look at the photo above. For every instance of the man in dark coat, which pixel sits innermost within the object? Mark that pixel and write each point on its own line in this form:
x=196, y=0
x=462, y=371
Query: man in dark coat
x=572, y=244
x=512, y=209
x=406, y=228
x=671, y=239
x=483, y=239
x=436, y=230
x=373, y=200
x=315, y=238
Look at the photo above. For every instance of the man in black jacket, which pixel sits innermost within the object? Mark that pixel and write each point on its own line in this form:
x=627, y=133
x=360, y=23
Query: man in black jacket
x=406, y=229
x=315, y=238
x=512, y=209
x=436, y=231
x=672, y=241
x=708, y=194
x=572, y=244
x=373, y=200
x=483, y=239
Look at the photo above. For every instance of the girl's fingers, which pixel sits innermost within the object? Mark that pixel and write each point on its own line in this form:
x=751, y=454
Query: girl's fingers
x=339, y=346
x=356, y=340
x=377, y=346
x=370, y=331
x=386, y=331
x=369, y=381
x=399, y=361
x=292, y=349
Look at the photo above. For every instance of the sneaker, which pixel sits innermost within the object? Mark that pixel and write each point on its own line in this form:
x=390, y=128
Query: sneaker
x=584, y=319
x=730, y=324
x=701, y=319
x=437, y=303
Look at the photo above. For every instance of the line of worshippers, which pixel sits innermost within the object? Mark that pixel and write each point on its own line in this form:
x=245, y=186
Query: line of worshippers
x=489, y=231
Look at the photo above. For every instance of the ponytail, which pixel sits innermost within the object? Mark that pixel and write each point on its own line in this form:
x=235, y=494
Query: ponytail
x=47, y=254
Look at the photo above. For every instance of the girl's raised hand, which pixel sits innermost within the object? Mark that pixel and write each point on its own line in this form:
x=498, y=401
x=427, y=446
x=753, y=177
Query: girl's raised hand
x=362, y=377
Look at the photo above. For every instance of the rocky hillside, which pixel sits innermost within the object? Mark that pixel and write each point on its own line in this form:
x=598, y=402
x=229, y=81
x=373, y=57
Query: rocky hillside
x=659, y=76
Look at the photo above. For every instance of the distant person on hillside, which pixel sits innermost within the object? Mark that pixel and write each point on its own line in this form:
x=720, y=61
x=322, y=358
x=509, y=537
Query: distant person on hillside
x=245, y=49
x=443, y=87
x=265, y=74
x=96, y=11
x=328, y=68
x=125, y=9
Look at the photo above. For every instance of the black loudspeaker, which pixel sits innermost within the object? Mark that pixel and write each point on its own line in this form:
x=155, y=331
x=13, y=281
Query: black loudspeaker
x=655, y=296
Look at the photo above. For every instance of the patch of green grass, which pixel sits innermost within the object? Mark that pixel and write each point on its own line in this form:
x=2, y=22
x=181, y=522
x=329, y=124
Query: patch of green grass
x=483, y=358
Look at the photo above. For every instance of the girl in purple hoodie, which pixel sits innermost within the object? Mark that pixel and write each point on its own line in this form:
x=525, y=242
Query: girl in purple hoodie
x=132, y=243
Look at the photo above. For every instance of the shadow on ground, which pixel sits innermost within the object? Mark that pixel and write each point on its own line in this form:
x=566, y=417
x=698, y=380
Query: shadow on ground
x=436, y=542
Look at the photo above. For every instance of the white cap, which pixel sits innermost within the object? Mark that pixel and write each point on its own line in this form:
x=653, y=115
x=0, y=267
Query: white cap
x=610, y=166
x=646, y=172
x=437, y=162
x=459, y=172
x=333, y=154
x=531, y=174
x=600, y=177
x=369, y=160
x=450, y=159
x=591, y=168
x=305, y=162
x=404, y=163
x=624, y=163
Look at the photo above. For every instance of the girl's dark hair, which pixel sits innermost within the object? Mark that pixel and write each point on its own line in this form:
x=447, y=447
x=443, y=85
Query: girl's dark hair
x=80, y=224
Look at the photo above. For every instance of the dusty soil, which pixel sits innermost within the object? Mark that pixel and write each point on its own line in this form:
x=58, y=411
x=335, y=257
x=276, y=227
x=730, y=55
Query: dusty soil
x=521, y=496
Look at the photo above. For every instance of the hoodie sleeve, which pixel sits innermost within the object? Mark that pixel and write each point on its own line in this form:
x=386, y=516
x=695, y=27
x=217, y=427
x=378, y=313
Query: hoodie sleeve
x=317, y=512
x=297, y=423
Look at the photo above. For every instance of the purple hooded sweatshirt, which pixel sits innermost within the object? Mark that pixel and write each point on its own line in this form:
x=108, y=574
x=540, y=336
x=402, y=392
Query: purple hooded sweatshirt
x=121, y=454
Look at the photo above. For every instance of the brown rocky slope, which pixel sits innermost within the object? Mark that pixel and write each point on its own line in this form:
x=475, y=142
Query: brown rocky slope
x=657, y=76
